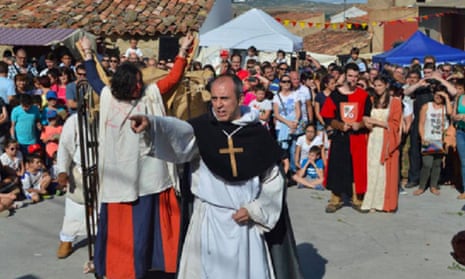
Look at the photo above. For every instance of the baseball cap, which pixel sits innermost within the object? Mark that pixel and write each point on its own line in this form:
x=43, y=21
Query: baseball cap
x=224, y=53
x=34, y=148
x=51, y=95
x=51, y=114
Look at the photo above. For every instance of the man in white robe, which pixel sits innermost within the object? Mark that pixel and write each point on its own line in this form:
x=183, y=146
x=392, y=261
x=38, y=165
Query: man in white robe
x=238, y=193
x=70, y=172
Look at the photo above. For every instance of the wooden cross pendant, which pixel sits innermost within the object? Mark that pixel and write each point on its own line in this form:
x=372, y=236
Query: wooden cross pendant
x=231, y=150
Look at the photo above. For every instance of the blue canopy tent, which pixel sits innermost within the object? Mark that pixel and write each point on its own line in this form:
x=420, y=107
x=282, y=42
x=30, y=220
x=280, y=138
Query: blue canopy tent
x=419, y=45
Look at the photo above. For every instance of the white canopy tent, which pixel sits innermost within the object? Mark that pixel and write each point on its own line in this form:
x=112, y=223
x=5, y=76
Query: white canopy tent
x=253, y=28
x=349, y=13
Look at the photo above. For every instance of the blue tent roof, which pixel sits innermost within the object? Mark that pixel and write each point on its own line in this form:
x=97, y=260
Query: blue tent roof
x=419, y=45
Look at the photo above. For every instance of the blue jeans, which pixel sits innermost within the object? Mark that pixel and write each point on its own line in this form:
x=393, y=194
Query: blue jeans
x=460, y=135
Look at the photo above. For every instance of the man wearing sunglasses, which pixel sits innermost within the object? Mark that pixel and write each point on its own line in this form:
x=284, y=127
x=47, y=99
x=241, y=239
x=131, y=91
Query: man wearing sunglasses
x=71, y=89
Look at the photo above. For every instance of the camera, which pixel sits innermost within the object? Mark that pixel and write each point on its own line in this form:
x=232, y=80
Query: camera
x=302, y=55
x=252, y=72
x=432, y=83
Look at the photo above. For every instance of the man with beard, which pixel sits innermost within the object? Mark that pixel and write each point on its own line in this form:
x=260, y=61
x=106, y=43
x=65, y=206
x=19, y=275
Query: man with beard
x=347, y=162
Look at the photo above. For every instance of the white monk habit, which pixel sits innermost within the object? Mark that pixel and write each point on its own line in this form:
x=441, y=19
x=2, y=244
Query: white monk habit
x=69, y=162
x=215, y=245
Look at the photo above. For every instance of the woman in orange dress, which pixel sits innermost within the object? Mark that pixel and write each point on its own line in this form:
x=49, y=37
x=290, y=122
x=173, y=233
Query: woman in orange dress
x=383, y=152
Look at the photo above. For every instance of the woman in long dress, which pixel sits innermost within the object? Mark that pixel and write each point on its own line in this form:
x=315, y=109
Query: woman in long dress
x=383, y=153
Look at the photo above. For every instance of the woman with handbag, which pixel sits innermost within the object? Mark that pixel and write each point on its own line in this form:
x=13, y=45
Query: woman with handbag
x=286, y=111
x=432, y=125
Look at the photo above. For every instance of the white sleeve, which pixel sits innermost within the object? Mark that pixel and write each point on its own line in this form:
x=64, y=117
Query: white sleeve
x=26, y=182
x=3, y=159
x=276, y=99
x=173, y=139
x=300, y=140
x=266, y=209
x=267, y=105
x=67, y=145
x=317, y=141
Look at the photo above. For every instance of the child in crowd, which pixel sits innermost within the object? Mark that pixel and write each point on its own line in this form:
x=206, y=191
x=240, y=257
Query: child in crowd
x=8, y=191
x=311, y=173
x=12, y=158
x=262, y=105
x=52, y=105
x=35, y=180
x=304, y=143
x=51, y=135
x=133, y=48
x=25, y=123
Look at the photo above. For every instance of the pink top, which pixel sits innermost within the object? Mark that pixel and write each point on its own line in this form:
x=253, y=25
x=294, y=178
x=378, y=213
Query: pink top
x=61, y=93
x=249, y=97
x=52, y=134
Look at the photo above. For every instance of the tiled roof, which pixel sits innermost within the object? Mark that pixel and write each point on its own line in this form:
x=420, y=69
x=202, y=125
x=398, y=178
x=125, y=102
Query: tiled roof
x=107, y=17
x=336, y=42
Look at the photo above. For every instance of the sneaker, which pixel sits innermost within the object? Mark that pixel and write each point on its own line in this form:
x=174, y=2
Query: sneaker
x=402, y=191
x=46, y=196
x=5, y=213
x=319, y=188
x=411, y=185
x=358, y=207
x=59, y=193
x=17, y=204
x=300, y=186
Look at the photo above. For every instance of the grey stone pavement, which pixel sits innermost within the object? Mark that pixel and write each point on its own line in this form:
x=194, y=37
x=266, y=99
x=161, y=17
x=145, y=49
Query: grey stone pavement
x=412, y=243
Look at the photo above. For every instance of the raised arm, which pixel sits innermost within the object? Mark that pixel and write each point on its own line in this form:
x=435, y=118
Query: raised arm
x=167, y=83
x=91, y=69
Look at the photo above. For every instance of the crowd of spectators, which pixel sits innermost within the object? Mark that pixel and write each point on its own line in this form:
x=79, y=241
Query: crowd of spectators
x=37, y=95
x=36, y=99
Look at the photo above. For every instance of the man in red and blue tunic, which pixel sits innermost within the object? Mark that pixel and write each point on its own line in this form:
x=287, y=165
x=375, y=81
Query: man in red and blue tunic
x=343, y=111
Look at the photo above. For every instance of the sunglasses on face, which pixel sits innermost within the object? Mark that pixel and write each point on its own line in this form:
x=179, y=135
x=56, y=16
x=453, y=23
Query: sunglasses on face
x=105, y=60
x=81, y=74
x=285, y=81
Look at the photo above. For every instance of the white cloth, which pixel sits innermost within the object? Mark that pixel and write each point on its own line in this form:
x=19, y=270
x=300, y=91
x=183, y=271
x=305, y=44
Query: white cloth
x=216, y=246
x=435, y=123
x=125, y=170
x=305, y=147
x=303, y=95
x=74, y=222
x=69, y=159
x=261, y=107
x=69, y=162
x=137, y=51
x=14, y=162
